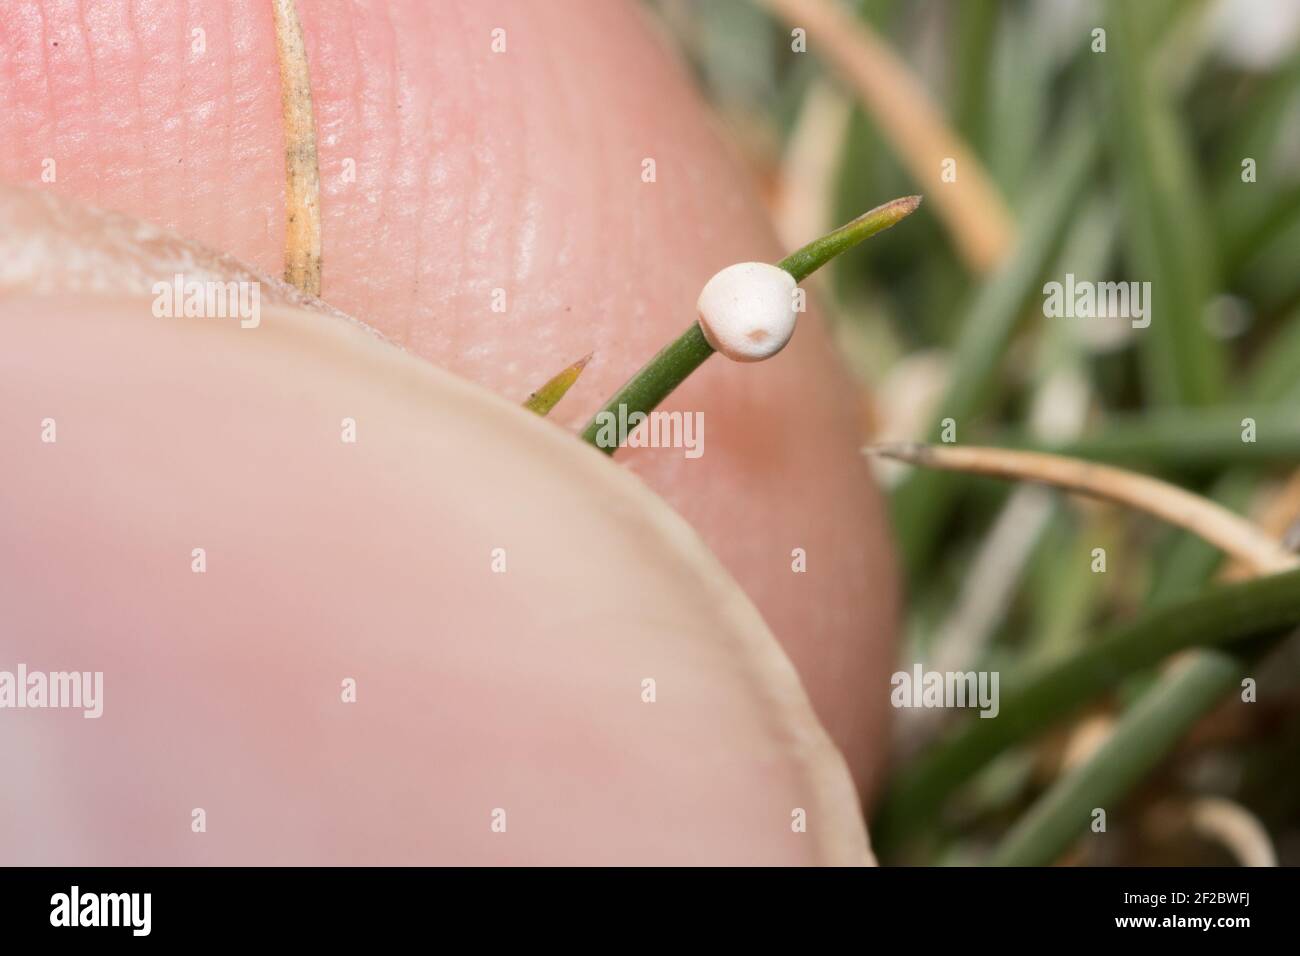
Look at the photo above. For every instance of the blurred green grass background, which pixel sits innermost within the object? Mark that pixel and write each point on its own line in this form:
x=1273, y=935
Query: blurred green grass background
x=1122, y=164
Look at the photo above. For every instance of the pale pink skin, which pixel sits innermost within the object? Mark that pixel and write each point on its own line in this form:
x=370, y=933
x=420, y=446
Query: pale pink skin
x=475, y=690
x=477, y=171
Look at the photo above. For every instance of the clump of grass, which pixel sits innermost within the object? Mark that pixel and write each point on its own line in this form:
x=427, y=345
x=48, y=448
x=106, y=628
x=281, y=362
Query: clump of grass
x=1161, y=165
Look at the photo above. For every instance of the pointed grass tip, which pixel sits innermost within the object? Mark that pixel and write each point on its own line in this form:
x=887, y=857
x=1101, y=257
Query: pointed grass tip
x=804, y=262
x=549, y=395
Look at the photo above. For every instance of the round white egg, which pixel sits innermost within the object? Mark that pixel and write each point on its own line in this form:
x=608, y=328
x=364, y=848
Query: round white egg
x=747, y=311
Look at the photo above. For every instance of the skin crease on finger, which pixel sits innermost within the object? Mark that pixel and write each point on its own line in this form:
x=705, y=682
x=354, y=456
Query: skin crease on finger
x=326, y=561
x=477, y=171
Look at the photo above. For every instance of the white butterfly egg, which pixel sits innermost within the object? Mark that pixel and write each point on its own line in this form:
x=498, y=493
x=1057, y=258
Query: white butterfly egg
x=747, y=311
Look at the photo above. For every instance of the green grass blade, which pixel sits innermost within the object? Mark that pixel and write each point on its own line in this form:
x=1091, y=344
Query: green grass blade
x=1033, y=702
x=1147, y=732
x=678, y=359
x=1183, y=438
x=1167, y=231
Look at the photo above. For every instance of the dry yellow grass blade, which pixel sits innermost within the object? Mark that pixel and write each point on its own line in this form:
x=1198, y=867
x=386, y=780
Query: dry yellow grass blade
x=302, y=244
x=1235, y=827
x=974, y=212
x=1227, y=531
x=1279, y=518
